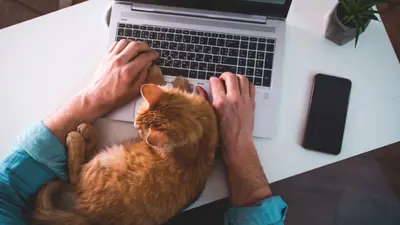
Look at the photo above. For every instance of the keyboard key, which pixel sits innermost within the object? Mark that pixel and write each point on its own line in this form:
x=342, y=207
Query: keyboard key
x=242, y=62
x=225, y=68
x=144, y=34
x=164, y=29
x=189, y=48
x=153, y=35
x=207, y=49
x=212, y=41
x=253, y=46
x=249, y=71
x=221, y=35
x=121, y=32
x=158, y=51
x=192, y=32
x=229, y=36
x=149, y=43
x=233, y=52
x=193, y=74
x=161, y=36
x=195, y=40
x=136, y=27
x=229, y=60
x=232, y=44
x=258, y=73
x=243, y=53
x=251, y=79
x=260, y=55
x=262, y=40
x=136, y=33
x=182, y=55
x=173, y=46
x=208, y=58
x=191, y=56
x=121, y=25
x=185, y=32
x=185, y=64
x=199, y=57
x=250, y=63
x=211, y=67
x=270, y=48
x=257, y=81
x=164, y=45
x=128, y=32
x=170, y=37
x=157, y=29
x=209, y=75
x=150, y=28
x=236, y=37
x=272, y=41
x=259, y=64
x=143, y=27
x=224, y=51
x=168, y=63
x=139, y=39
x=214, y=35
x=203, y=66
x=175, y=71
x=266, y=78
x=244, y=38
x=177, y=63
x=119, y=38
x=261, y=47
x=165, y=53
x=160, y=61
x=215, y=50
x=241, y=70
x=171, y=30
x=217, y=59
x=207, y=34
x=186, y=39
x=178, y=31
x=178, y=38
x=198, y=48
x=181, y=47
x=174, y=54
x=200, y=33
x=268, y=60
x=132, y=39
x=244, y=44
x=203, y=40
x=252, y=54
x=194, y=65
x=201, y=75
x=221, y=42
x=253, y=39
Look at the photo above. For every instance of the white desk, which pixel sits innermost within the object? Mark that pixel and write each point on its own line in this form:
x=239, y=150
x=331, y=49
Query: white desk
x=43, y=62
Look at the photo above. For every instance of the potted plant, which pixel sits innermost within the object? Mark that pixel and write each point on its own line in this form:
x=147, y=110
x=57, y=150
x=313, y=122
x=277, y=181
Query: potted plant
x=349, y=19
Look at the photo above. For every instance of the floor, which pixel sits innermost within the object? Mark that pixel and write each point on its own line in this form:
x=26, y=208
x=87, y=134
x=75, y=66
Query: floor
x=361, y=190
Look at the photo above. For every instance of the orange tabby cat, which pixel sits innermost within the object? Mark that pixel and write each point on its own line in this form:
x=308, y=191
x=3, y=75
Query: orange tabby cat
x=144, y=181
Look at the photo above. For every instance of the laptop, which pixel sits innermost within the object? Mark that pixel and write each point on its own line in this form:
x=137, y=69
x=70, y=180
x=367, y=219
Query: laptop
x=199, y=39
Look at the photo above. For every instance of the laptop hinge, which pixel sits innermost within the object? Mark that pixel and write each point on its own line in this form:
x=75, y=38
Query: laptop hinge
x=199, y=13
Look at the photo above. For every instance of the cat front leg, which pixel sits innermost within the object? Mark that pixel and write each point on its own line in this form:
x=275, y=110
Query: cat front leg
x=75, y=155
x=155, y=76
x=182, y=84
x=90, y=134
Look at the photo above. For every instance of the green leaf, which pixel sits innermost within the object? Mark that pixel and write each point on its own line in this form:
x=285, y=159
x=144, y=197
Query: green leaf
x=349, y=19
x=343, y=3
x=370, y=16
x=357, y=35
x=374, y=11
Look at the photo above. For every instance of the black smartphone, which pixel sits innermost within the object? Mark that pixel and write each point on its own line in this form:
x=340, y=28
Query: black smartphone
x=327, y=114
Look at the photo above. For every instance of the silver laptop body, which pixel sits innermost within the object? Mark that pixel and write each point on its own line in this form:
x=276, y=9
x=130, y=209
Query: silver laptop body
x=128, y=20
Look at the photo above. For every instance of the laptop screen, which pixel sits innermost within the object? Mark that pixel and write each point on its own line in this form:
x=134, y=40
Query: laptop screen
x=269, y=8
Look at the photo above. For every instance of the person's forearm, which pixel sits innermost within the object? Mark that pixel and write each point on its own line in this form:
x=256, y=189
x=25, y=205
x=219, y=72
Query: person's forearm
x=247, y=182
x=80, y=109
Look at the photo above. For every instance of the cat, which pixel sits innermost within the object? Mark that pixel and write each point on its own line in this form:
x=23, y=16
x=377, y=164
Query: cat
x=143, y=181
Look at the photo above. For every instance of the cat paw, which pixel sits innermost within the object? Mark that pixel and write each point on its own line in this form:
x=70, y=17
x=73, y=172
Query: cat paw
x=155, y=76
x=75, y=155
x=182, y=84
x=90, y=135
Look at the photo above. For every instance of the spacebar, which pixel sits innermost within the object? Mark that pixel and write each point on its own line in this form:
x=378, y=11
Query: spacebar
x=174, y=72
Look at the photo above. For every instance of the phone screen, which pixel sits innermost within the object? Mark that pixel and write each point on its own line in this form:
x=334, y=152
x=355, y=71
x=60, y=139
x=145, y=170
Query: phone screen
x=327, y=114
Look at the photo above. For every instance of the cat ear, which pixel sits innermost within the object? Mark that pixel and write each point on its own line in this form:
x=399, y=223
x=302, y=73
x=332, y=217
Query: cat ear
x=156, y=139
x=151, y=93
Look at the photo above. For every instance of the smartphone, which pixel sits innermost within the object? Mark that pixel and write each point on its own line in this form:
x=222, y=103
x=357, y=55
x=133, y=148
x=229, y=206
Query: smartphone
x=327, y=114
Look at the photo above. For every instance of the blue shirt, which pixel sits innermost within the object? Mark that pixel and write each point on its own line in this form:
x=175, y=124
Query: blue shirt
x=39, y=157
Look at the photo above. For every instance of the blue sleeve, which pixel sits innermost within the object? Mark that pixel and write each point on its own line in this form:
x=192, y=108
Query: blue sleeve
x=270, y=211
x=38, y=158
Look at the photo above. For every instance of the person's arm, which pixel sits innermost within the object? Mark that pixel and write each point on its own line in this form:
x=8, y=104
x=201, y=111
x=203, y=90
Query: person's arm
x=40, y=154
x=250, y=193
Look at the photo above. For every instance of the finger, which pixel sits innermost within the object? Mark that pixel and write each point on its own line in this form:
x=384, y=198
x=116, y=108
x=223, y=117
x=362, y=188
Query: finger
x=120, y=46
x=140, y=79
x=140, y=62
x=132, y=50
x=252, y=92
x=112, y=47
x=231, y=83
x=202, y=93
x=243, y=85
x=217, y=89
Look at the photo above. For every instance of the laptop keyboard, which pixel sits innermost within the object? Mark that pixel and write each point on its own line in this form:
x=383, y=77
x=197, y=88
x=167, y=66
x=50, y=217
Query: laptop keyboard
x=201, y=54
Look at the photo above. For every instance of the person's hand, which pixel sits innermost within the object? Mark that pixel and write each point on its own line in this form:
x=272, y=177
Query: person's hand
x=120, y=75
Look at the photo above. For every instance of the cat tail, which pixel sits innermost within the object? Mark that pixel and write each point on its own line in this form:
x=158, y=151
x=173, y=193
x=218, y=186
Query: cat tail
x=45, y=211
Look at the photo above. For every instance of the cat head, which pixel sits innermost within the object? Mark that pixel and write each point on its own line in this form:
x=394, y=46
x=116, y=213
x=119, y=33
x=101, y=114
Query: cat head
x=169, y=118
